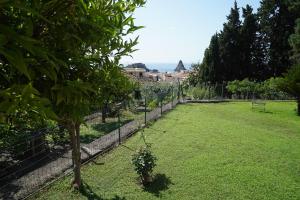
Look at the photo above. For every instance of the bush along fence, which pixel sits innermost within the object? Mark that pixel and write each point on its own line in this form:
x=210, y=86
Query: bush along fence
x=245, y=89
x=31, y=162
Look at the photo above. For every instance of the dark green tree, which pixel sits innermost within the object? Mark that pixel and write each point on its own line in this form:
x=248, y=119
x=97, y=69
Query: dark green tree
x=277, y=20
x=253, y=57
x=230, y=46
x=290, y=84
x=212, y=70
x=295, y=42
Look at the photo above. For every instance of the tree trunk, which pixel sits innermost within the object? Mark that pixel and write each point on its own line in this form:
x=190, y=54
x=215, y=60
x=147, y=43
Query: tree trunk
x=104, y=109
x=76, y=159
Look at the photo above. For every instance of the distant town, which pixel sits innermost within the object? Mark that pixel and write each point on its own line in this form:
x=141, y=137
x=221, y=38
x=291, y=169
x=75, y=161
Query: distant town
x=141, y=72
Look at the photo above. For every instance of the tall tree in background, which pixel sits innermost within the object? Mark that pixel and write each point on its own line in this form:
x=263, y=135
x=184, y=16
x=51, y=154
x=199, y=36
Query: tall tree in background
x=212, y=70
x=257, y=47
x=253, y=59
x=230, y=45
x=277, y=21
x=295, y=42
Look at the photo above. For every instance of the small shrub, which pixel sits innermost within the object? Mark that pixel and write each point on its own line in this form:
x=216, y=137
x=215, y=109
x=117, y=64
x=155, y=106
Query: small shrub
x=144, y=162
x=199, y=93
x=152, y=105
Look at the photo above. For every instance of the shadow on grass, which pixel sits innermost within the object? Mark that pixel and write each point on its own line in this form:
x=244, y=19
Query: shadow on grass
x=109, y=126
x=101, y=129
x=264, y=111
x=160, y=183
x=88, y=192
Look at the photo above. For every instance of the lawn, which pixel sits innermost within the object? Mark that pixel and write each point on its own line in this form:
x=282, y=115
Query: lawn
x=94, y=129
x=204, y=151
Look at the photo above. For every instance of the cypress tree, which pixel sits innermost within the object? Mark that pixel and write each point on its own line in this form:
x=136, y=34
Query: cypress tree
x=252, y=50
x=211, y=69
x=230, y=46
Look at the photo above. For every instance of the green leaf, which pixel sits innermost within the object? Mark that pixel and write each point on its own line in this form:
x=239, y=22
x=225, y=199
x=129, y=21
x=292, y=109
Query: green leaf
x=3, y=40
x=29, y=90
x=28, y=27
x=15, y=57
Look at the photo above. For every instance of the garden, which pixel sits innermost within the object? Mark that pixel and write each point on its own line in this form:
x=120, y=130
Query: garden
x=203, y=151
x=75, y=124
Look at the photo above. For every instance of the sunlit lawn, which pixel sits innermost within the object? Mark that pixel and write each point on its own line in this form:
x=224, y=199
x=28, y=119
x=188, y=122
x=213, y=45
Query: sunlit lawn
x=205, y=151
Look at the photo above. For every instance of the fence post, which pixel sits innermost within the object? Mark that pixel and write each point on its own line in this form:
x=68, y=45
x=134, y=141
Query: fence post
x=178, y=94
x=161, y=106
x=119, y=125
x=145, y=110
x=172, y=97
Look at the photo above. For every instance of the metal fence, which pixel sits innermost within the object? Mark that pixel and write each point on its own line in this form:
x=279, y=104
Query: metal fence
x=49, y=160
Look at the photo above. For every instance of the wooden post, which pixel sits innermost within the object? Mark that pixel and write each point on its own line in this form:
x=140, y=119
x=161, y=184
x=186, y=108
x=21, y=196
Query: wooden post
x=145, y=110
x=119, y=126
x=172, y=97
x=161, y=106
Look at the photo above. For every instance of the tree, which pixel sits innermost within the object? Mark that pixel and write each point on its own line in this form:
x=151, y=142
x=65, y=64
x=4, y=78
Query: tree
x=117, y=88
x=51, y=55
x=290, y=83
x=252, y=50
x=196, y=74
x=212, y=70
x=277, y=20
x=230, y=45
x=295, y=42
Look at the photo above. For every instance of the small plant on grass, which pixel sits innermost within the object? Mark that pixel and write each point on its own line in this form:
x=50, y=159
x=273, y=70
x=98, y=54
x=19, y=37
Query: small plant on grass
x=153, y=104
x=144, y=162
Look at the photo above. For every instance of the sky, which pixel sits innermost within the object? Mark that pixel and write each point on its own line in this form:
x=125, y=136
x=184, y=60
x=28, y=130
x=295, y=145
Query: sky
x=179, y=29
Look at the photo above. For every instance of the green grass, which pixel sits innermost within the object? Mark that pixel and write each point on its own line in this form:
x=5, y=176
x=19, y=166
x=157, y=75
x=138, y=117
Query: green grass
x=91, y=132
x=204, y=151
x=95, y=129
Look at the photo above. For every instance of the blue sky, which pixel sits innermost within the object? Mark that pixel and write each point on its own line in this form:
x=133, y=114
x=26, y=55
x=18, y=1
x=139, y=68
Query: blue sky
x=179, y=29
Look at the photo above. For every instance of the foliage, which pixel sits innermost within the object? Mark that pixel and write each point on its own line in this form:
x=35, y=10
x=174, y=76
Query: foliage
x=290, y=83
x=295, y=42
x=117, y=86
x=257, y=47
x=54, y=58
x=18, y=131
x=230, y=45
x=199, y=93
x=144, y=162
x=277, y=20
x=246, y=89
x=158, y=91
x=152, y=104
x=211, y=65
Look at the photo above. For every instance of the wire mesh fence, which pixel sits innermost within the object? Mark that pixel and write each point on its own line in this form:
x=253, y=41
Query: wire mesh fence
x=47, y=154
